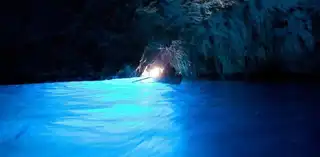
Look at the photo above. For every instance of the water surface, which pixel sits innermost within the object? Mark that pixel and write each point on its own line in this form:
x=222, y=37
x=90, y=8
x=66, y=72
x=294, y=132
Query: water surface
x=195, y=119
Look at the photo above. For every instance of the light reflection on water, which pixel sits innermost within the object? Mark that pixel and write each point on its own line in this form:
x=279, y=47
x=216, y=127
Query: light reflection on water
x=107, y=118
x=119, y=118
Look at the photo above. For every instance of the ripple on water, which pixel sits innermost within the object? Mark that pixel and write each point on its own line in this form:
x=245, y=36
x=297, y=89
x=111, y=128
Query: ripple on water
x=121, y=118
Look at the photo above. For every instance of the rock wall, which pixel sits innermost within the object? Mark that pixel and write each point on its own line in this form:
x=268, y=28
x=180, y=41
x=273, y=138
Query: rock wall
x=248, y=40
x=58, y=40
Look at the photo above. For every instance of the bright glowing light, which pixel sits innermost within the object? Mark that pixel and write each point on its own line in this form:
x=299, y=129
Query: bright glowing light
x=154, y=72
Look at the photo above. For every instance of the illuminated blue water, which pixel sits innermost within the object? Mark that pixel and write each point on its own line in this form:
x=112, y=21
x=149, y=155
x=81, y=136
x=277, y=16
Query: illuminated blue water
x=122, y=119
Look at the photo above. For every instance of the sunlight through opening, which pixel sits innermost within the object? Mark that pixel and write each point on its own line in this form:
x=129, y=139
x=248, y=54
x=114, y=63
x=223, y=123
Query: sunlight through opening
x=155, y=72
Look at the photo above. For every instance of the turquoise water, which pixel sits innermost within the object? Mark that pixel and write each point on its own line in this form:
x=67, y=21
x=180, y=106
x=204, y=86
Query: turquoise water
x=119, y=118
